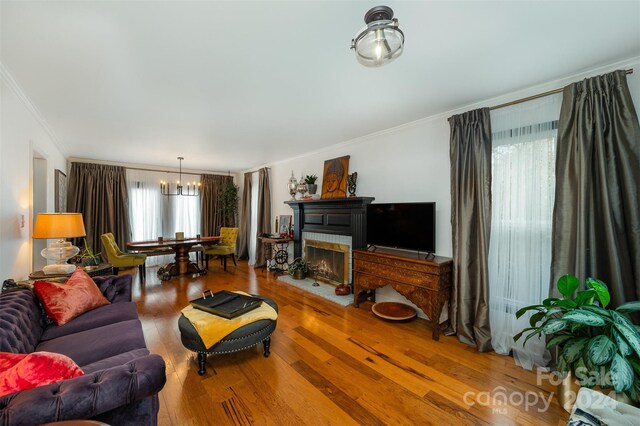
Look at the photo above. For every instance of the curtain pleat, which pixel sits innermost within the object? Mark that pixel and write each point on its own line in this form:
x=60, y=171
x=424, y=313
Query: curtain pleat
x=245, y=219
x=264, y=211
x=212, y=218
x=596, y=218
x=470, y=153
x=99, y=192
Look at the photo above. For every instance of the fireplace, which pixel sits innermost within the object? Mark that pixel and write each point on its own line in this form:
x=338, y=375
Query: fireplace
x=328, y=262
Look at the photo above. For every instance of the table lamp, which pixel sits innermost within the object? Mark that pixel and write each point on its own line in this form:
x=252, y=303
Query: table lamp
x=61, y=226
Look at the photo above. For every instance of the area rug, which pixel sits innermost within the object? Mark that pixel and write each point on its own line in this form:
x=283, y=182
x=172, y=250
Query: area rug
x=325, y=291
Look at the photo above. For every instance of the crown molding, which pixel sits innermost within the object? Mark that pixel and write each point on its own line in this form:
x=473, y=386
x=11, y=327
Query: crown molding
x=14, y=86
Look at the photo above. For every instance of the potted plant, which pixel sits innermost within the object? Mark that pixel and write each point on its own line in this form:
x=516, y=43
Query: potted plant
x=229, y=202
x=310, y=180
x=597, y=346
x=87, y=256
x=298, y=268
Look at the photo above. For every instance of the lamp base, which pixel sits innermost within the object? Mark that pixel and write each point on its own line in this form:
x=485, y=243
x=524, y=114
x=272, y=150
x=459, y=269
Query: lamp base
x=58, y=269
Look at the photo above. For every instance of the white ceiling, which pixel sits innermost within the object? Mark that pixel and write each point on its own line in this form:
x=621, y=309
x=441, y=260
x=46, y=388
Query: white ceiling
x=236, y=84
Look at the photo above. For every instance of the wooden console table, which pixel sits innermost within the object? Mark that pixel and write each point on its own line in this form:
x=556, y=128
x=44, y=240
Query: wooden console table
x=427, y=283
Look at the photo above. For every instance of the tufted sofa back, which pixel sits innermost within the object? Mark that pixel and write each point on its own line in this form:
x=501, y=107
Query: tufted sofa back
x=21, y=321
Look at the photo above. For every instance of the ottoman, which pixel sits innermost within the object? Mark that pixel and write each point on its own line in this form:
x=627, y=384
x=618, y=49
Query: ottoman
x=244, y=337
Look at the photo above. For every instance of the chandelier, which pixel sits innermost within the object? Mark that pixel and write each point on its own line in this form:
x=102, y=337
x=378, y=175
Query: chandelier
x=192, y=189
x=381, y=41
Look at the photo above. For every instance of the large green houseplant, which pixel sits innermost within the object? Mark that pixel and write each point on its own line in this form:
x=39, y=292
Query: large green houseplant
x=600, y=346
x=229, y=202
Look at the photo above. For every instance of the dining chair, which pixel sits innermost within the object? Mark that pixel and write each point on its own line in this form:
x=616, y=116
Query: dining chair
x=227, y=247
x=119, y=259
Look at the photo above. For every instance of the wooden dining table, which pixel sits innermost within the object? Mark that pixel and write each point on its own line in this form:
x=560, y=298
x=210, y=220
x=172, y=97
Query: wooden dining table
x=181, y=265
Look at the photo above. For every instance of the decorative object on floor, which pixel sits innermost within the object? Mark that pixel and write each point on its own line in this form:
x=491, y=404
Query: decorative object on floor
x=192, y=190
x=342, y=290
x=310, y=180
x=334, y=179
x=393, y=311
x=595, y=408
x=298, y=268
x=60, y=226
x=326, y=291
x=351, y=183
x=292, y=186
x=381, y=41
x=591, y=338
x=61, y=192
x=205, y=334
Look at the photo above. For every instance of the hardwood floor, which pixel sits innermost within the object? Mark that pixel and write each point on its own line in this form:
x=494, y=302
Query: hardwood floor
x=331, y=365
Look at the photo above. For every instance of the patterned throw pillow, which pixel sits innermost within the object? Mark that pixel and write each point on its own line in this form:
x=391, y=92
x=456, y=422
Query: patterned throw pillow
x=64, y=301
x=25, y=371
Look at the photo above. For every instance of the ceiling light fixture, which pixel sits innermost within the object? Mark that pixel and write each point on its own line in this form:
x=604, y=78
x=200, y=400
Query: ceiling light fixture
x=192, y=189
x=381, y=41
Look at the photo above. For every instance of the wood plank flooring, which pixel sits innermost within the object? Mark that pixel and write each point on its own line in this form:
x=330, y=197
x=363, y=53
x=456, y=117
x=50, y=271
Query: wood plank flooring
x=331, y=365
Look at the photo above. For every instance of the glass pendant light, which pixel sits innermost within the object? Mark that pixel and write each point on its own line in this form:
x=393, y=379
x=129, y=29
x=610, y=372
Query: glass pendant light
x=381, y=41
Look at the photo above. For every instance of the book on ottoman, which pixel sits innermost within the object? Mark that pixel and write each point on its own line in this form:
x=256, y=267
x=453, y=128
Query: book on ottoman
x=226, y=304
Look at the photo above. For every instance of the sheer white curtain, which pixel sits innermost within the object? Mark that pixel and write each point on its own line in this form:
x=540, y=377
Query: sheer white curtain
x=523, y=183
x=153, y=215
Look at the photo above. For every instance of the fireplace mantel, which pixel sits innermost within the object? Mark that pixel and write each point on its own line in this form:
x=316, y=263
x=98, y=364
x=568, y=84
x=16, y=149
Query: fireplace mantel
x=342, y=216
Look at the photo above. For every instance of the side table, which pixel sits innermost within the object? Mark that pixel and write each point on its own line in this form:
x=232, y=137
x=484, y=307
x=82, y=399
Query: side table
x=93, y=271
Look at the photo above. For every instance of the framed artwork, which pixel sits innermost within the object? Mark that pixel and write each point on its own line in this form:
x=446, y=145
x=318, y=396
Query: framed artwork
x=285, y=223
x=61, y=192
x=334, y=179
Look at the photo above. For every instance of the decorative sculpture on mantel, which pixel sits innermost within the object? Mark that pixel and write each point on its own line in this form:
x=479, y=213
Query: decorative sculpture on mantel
x=351, y=183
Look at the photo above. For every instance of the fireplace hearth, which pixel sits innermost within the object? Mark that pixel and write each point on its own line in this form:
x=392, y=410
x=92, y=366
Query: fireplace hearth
x=328, y=262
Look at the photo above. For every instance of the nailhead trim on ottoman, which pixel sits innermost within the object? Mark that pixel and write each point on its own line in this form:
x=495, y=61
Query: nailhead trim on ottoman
x=245, y=337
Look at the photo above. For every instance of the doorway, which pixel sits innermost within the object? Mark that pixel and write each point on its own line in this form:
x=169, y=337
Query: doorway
x=39, y=203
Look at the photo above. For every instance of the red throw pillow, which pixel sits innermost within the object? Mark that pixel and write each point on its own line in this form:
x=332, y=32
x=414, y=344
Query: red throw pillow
x=25, y=371
x=64, y=302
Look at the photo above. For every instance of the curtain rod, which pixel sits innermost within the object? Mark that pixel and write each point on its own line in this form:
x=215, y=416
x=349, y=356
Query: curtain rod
x=539, y=95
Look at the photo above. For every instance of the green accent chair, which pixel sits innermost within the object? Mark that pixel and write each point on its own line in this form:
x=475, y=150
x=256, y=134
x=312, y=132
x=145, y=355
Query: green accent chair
x=227, y=247
x=118, y=259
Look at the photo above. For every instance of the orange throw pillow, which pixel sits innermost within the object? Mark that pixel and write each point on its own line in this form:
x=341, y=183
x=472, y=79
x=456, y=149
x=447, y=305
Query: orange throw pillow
x=64, y=302
x=25, y=371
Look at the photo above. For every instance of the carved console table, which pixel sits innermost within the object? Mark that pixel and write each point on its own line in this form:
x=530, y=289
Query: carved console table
x=427, y=283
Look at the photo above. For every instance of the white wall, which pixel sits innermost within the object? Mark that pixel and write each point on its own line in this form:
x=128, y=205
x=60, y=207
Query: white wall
x=411, y=162
x=21, y=133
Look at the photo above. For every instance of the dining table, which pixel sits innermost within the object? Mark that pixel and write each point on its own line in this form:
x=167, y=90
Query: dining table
x=181, y=265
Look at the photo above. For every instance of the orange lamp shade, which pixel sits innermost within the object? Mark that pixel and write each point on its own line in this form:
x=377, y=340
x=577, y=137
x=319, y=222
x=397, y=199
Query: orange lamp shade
x=59, y=225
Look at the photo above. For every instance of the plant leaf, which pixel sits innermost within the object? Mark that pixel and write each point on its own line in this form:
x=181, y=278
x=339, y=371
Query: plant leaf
x=623, y=347
x=536, y=318
x=524, y=310
x=625, y=327
x=573, y=349
x=602, y=292
x=621, y=374
x=629, y=307
x=547, y=303
x=561, y=367
x=558, y=340
x=601, y=350
x=519, y=335
x=585, y=297
x=553, y=326
x=635, y=365
x=567, y=284
x=596, y=310
x=584, y=317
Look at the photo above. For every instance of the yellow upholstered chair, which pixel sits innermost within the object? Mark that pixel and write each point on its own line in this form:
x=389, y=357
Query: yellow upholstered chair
x=118, y=259
x=227, y=247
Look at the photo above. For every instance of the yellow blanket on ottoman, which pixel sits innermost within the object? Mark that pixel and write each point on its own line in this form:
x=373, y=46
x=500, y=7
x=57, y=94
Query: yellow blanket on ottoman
x=213, y=328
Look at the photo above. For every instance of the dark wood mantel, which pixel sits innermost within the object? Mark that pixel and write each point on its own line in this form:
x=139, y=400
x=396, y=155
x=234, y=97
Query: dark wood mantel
x=341, y=216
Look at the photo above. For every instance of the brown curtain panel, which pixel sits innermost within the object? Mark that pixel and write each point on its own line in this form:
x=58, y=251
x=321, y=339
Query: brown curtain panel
x=470, y=152
x=264, y=211
x=99, y=192
x=211, y=215
x=245, y=219
x=596, y=217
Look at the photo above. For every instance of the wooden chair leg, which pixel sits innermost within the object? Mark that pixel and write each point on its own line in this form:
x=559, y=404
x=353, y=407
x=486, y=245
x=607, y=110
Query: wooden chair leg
x=142, y=272
x=233, y=257
x=116, y=270
x=224, y=259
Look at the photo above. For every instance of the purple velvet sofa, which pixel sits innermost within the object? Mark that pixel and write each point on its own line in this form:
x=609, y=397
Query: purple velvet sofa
x=121, y=381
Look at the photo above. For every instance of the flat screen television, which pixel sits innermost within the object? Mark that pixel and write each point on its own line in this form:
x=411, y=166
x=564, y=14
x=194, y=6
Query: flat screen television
x=410, y=226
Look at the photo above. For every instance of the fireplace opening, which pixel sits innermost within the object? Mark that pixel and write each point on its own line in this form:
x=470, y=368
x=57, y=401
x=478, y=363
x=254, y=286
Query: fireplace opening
x=328, y=262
